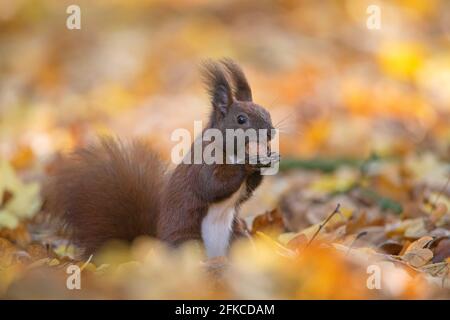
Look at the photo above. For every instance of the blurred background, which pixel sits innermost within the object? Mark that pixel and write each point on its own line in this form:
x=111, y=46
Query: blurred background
x=336, y=87
x=343, y=95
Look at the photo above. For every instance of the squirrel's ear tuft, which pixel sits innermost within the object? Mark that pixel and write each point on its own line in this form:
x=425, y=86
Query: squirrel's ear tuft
x=217, y=85
x=241, y=88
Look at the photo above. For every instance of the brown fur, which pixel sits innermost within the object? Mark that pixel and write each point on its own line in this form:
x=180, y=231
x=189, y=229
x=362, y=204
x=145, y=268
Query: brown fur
x=118, y=191
x=107, y=191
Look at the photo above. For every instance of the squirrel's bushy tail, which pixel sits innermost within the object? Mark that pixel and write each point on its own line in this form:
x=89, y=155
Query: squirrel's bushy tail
x=111, y=190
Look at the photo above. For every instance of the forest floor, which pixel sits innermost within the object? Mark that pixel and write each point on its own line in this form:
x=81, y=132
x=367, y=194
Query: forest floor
x=361, y=205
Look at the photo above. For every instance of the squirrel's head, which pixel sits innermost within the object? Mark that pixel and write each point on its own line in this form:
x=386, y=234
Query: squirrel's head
x=231, y=99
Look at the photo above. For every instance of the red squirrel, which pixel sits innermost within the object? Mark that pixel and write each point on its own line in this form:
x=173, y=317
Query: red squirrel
x=114, y=190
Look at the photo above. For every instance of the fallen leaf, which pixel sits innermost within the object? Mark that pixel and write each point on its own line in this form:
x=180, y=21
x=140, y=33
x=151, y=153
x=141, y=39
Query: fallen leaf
x=391, y=247
x=24, y=200
x=442, y=251
x=416, y=230
x=298, y=243
x=417, y=255
x=275, y=245
x=269, y=222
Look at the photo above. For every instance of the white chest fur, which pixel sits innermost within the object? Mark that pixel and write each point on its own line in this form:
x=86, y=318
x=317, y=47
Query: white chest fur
x=217, y=225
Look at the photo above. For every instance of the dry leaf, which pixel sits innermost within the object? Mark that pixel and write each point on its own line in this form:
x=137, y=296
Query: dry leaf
x=416, y=230
x=442, y=251
x=417, y=255
x=269, y=222
x=24, y=200
x=298, y=243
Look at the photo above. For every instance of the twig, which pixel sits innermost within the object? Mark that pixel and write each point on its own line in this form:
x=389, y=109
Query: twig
x=86, y=263
x=322, y=225
x=358, y=236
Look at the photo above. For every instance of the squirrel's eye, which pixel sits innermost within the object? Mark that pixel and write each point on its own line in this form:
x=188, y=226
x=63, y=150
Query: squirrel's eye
x=241, y=119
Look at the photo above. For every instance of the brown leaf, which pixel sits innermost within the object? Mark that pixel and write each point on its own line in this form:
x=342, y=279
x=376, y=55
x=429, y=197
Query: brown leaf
x=442, y=251
x=354, y=224
x=391, y=247
x=38, y=251
x=417, y=255
x=269, y=222
x=19, y=235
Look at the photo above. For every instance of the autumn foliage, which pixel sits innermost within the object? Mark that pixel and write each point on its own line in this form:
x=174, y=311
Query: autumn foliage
x=364, y=119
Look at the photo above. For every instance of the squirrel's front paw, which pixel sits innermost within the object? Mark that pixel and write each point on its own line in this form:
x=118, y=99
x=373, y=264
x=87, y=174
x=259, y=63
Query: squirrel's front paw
x=264, y=161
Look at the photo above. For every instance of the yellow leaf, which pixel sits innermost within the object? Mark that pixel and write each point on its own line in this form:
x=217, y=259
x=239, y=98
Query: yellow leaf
x=53, y=262
x=284, y=238
x=411, y=228
x=310, y=231
x=25, y=198
x=401, y=59
x=275, y=245
x=8, y=220
x=26, y=201
x=333, y=183
x=9, y=180
x=65, y=250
